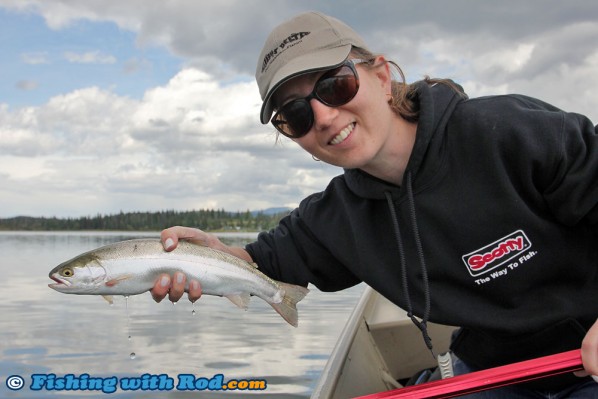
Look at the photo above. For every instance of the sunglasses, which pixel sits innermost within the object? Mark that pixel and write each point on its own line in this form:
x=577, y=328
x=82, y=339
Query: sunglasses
x=335, y=88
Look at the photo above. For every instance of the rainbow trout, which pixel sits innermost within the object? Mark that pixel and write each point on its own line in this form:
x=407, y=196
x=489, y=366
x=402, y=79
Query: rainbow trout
x=132, y=267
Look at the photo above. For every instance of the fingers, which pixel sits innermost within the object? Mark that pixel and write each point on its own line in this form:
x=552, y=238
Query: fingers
x=589, y=350
x=170, y=237
x=161, y=287
x=194, y=290
x=175, y=288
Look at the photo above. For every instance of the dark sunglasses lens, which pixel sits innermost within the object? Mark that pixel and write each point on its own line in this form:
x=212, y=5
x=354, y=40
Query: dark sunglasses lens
x=294, y=119
x=339, y=88
x=335, y=88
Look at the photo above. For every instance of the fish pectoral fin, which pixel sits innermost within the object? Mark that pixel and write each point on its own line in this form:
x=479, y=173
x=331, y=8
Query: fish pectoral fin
x=241, y=300
x=108, y=299
x=114, y=281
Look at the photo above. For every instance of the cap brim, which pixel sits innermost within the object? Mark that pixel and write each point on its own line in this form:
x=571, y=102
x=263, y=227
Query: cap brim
x=308, y=63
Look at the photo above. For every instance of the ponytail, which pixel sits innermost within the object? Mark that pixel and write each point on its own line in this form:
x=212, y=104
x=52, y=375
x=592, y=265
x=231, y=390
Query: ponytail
x=404, y=96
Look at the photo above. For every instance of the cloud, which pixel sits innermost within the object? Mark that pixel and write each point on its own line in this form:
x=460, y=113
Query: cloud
x=27, y=85
x=90, y=57
x=191, y=143
x=193, y=140
x=85, y=121
x=35, y=58
x=134, y=65
x=487, y=44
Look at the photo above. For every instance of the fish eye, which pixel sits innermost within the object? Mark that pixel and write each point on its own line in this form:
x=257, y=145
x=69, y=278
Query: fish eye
x=68, y=272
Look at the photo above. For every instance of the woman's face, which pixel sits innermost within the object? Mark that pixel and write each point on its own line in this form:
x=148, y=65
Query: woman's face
x=352, y=135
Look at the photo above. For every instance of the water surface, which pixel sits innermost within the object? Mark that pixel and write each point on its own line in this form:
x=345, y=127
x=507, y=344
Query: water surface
x=44, y=332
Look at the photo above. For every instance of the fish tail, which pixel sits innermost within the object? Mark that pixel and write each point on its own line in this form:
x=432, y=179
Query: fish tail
x=287, y=307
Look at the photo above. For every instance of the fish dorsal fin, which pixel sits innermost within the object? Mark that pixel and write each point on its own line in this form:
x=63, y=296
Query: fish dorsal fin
x=241, y=300
x=254, y=265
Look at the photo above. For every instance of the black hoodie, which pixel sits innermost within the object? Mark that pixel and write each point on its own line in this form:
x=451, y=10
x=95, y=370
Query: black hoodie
x=494, y=229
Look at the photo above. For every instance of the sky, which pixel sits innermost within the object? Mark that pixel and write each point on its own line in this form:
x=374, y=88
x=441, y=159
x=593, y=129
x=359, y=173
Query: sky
x=149, y=105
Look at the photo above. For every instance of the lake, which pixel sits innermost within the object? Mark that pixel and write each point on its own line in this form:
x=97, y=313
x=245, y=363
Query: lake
x=51, y=335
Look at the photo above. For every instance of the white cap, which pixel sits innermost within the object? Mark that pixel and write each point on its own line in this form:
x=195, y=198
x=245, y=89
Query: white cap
x=306, y=43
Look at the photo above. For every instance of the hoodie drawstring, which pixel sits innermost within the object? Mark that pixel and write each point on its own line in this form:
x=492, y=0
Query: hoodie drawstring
x=423, y=324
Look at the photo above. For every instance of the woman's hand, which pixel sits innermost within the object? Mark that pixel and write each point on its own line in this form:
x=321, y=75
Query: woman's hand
x=174, y=286
x=171, y=236
x=589, y=353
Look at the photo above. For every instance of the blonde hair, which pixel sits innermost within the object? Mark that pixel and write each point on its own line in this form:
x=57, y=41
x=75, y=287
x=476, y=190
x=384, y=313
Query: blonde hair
x=403, y=99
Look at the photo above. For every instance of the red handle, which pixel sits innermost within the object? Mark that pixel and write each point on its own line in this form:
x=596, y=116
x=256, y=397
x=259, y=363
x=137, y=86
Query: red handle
x=488, y=379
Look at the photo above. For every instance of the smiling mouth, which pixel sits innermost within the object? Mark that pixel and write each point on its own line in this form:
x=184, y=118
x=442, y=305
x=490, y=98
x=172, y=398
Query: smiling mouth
x=339, y=138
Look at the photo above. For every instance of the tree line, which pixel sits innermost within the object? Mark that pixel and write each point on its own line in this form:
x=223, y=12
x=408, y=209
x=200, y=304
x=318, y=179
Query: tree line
x=205, y=219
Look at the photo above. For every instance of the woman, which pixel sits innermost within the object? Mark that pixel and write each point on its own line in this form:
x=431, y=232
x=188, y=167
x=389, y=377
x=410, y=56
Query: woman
x=480, y=213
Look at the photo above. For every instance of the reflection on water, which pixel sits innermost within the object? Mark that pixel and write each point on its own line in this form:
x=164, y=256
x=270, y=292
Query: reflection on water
x=43, y=331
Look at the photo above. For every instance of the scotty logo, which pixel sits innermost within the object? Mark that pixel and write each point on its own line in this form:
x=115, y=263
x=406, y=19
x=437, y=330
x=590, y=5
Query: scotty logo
x=496, y=254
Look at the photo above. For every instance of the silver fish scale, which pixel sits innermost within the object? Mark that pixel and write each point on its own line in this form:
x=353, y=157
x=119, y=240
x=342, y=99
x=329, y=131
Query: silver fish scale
x=145, y=247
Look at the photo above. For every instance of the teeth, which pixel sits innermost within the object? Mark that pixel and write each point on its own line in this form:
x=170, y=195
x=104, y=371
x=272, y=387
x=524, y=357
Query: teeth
x=343, y=134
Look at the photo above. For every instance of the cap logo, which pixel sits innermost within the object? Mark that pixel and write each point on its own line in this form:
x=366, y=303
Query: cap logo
x=284, y=45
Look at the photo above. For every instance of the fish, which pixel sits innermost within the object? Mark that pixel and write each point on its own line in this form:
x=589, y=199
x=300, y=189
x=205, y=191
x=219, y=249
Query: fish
x=131, y=267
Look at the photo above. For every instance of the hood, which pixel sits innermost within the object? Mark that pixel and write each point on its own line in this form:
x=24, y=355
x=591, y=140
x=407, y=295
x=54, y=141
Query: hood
x=436, y=102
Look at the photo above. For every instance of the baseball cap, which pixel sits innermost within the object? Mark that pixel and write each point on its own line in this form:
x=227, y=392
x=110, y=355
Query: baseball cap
x=306, y=43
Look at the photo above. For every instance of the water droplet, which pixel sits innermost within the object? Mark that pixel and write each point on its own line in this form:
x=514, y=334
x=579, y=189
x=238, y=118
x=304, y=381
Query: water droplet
x=128, y=316
x=132, y=355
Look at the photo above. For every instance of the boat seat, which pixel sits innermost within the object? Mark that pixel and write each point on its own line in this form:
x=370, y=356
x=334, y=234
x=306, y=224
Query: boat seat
x=400, y=342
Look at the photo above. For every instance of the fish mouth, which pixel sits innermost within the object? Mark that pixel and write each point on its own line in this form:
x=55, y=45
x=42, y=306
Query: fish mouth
x=59, y=282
